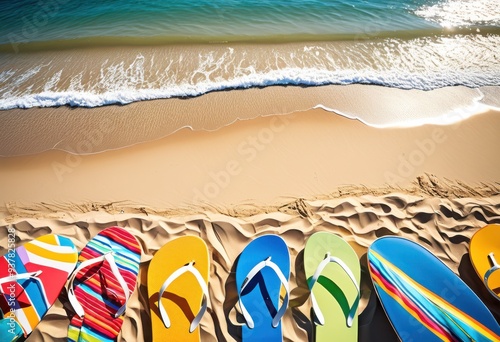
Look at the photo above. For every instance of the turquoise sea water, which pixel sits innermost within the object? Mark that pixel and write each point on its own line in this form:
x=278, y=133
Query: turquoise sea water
x=411, y=44
x=209, y=20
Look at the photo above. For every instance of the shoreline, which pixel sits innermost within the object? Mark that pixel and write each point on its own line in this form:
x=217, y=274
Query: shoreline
x=230, y=166
x=81, y=130
x=122, y=75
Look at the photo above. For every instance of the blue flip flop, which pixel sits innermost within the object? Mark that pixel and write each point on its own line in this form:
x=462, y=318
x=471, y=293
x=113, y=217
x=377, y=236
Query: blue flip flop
x=262, y=270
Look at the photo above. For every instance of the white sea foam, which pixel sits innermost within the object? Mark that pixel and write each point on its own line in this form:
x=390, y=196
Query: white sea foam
x=422, y=63
x=52, y=82
x=446, y=117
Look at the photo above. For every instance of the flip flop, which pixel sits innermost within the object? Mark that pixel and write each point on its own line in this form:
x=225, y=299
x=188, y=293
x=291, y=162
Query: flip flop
x=333, y=274
x=31, y=279
x=263, y=268
x=484, y=252
x=178, y=275
x=423, y=298
x=101, y=285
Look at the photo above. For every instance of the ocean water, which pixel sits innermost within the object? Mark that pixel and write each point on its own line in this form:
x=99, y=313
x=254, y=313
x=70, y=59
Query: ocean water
x=94, y=53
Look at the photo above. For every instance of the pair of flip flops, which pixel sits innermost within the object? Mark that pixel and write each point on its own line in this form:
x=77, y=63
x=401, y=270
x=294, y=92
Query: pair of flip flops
x=33, y=276
x=333, y=274
x=423, y=298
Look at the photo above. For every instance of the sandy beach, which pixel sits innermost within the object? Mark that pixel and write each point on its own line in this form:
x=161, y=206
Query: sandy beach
x=260, y=160
x=442, y=224
x=230, y=120
x=228, y=182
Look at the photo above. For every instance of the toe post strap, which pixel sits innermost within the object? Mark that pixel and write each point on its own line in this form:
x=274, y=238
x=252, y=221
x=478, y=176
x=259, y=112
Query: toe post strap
x=319, y=318
x=184, y=269
x=109, y=257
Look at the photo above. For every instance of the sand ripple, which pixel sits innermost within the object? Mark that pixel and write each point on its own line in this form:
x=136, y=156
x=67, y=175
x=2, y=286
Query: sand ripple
x=443, y=225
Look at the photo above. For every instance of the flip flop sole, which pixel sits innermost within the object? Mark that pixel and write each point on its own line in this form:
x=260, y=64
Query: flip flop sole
x=335, y=291
x=183, y=297
x=423, y=298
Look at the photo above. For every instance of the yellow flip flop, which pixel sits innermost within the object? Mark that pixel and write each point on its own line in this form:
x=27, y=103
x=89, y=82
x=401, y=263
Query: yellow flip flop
x=484, y=253
x=178, y=289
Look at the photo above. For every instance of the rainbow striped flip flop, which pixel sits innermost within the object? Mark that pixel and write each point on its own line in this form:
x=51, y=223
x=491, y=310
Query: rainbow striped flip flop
x=31, y=279
x=101, y=285
x=423, y=298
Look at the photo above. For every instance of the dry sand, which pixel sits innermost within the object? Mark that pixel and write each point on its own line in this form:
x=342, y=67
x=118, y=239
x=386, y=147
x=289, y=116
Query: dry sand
x=291, y=175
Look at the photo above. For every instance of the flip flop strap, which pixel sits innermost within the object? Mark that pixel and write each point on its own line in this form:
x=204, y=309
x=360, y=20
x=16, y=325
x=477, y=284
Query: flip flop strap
x=253, y=272
x=317, y=311
x=114, y=269
x=495, y=267
x=30, y=275
x=186, y=268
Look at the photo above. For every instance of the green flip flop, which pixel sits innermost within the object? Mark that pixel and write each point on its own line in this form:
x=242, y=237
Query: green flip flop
x=333, y=275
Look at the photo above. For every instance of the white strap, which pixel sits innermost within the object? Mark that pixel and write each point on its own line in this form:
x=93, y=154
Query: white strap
x=114, y=269
x=494, y=267
x=317, y=311
x=186, y=268
x=31, y=275
x=253, y=272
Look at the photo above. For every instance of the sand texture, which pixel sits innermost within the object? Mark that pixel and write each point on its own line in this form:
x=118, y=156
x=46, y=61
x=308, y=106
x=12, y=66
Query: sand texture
x=442, y=224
